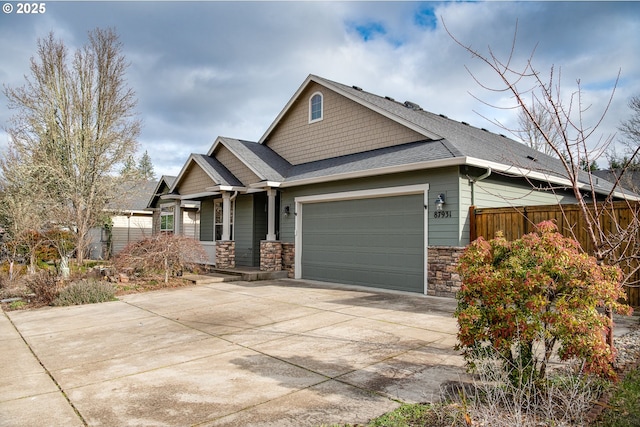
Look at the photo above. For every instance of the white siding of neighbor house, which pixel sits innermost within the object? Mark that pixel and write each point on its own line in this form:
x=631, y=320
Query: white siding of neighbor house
x=129, y=229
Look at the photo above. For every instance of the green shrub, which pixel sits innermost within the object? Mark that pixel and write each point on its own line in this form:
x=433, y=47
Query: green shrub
x=539, y=290
x=85, y=292
x=17, y=305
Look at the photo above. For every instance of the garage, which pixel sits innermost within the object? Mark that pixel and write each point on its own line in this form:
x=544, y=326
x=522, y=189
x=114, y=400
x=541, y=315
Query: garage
x=377, y=241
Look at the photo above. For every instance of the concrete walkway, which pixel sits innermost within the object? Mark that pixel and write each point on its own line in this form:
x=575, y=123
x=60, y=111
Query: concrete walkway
x=268, y=353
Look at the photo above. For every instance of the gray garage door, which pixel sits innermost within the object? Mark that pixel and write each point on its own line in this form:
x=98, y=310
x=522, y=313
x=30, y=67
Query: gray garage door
x=376, y=242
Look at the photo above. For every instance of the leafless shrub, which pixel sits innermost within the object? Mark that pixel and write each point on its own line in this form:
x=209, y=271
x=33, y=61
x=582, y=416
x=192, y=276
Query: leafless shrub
x=563, y=399
x=162, y=253
x=45, y=285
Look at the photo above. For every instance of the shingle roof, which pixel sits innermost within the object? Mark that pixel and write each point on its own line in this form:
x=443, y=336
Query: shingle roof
x=463, y=139
x=445, y=139
x=397, y=155
x=266, y=163
x=216, y=170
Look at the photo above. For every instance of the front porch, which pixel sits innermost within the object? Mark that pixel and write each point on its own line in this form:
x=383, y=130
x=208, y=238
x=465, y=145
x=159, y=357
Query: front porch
x=247, y=274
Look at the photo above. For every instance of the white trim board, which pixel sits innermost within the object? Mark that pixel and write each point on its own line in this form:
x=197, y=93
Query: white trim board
x=354, y=195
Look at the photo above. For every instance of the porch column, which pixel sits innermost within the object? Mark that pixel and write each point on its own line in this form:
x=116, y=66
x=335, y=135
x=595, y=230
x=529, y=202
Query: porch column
x=271, y=215
x=177, y=218
x=226, y=216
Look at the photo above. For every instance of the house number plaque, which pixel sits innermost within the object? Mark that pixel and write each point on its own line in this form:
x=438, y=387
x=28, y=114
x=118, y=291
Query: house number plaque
x=442, y=214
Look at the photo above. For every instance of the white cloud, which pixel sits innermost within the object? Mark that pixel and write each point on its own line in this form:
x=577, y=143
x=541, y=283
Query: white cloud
x=203, y=69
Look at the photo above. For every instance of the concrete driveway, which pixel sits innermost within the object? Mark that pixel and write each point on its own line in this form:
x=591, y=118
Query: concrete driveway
x=268, y=353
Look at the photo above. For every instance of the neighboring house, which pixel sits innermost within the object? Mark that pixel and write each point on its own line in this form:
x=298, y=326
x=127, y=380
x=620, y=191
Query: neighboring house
x=350, y=187
x=131, y=221
x=630, y=179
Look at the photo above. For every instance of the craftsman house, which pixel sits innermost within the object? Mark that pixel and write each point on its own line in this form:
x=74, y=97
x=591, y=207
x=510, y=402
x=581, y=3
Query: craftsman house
x=350, y=187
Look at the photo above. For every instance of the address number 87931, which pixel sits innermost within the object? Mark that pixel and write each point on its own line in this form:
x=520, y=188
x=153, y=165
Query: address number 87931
x=442, y=214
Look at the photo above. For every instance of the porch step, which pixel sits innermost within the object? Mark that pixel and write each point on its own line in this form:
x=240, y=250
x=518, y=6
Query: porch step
x=251, y=274
x=232, y=274
x=204, y=279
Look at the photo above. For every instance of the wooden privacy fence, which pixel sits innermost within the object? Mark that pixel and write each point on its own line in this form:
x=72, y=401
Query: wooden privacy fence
x=514, y=222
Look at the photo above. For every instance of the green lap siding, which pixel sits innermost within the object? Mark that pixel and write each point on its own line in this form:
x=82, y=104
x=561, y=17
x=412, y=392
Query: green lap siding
x=377, y=242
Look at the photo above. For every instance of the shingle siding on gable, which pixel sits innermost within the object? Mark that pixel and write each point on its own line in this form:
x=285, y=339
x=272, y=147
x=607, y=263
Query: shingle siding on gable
x=235, y=166
x=346, y=128
x=194, y=181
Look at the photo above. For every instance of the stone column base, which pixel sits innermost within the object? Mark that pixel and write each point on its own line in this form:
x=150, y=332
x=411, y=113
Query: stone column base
x=270, y=255
x=289, y=258
x=225, y=254
x=442, y=278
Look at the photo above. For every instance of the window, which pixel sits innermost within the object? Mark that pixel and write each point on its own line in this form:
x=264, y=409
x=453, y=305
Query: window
x=217, y=218
x=166, y=219
x=315, y=107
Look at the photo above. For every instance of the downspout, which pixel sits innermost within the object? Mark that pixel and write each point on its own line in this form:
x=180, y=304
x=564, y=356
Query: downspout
x=473, y=181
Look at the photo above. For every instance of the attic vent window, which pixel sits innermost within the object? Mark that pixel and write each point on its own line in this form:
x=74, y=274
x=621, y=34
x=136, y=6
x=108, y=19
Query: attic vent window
x=316, y=104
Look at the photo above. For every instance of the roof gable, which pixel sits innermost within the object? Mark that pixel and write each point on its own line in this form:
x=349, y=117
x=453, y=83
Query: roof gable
x=211, y=173
x=353, y=93
x=346, y=127
x=164, y=185
x=257, y=160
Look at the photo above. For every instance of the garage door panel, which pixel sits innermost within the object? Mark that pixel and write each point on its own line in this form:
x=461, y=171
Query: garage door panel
x=375, y=242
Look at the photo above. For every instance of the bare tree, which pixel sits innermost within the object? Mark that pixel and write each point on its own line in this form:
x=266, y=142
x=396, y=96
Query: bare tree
x=560, y=121
x=528, y=131
x=74, y=125
x=631, y=127
x=577, y=145
x=20, y=214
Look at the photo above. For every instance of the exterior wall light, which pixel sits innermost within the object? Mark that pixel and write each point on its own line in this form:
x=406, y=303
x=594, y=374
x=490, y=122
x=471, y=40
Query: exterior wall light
x=440, y=202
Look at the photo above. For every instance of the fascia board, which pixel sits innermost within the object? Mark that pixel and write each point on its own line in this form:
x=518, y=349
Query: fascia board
x=189, y=196
x=155, y=192
x=266, y=184
x=219, y=188
x=182, y=172
x=286, y=108
x=215, y=144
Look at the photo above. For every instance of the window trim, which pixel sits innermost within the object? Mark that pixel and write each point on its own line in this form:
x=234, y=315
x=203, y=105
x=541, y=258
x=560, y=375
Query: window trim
x=163, y=223
x=218, y=203
x=311, y=119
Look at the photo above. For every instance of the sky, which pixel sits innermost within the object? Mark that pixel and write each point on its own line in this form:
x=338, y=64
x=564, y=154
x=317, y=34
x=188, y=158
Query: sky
x=203, y=69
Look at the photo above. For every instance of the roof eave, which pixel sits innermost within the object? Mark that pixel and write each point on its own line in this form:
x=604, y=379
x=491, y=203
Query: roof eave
x=544, y=177
x=219, y=188
x=267, y=184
